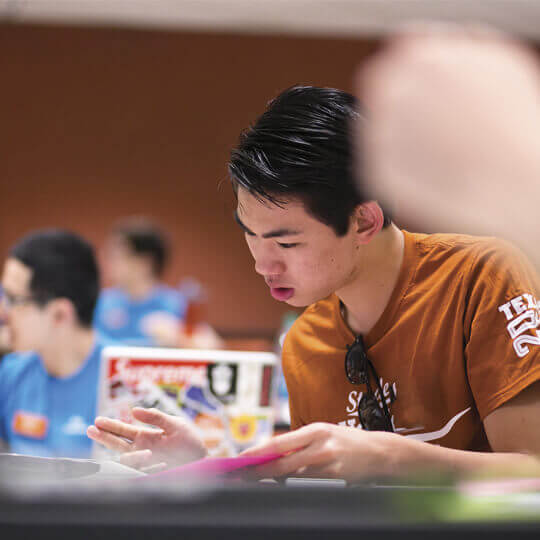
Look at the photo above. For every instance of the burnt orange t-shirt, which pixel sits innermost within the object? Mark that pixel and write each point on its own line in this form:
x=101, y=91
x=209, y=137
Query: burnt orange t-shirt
x=457, y=339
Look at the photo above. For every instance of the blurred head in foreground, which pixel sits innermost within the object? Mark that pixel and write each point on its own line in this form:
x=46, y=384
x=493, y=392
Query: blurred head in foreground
x=453, y=138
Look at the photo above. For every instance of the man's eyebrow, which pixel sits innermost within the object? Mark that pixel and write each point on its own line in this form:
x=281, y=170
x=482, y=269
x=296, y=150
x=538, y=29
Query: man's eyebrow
x=272, y=234
x=280, y=232
x=239, y=221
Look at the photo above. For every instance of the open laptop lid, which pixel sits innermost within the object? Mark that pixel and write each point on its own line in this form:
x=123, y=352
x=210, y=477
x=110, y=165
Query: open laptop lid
x=226, y=394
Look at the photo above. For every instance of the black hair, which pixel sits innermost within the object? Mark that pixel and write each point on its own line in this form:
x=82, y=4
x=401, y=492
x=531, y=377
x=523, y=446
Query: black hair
x=144, y=238
x=63, y=266
x=301, y=147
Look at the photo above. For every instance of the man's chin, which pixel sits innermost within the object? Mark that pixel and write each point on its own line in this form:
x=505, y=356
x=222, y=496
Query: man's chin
x=303, y=300
x=20, y=347
x=296, y=301
x=7, y=343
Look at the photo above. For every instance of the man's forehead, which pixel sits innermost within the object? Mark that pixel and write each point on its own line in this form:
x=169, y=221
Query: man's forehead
x=250, y=205
x=117, y=243
x=16, y=276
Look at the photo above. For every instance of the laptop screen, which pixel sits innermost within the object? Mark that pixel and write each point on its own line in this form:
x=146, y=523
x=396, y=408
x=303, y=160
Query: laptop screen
x=227, y=395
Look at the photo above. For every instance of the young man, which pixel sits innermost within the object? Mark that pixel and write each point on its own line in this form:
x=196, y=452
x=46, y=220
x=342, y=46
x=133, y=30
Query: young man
x=48, y=385
x=139, y=310
x=416, y=338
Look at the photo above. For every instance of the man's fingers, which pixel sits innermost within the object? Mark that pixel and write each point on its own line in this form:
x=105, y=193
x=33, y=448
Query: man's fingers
x=327, y=470
x=117, y=427
x=110, y=441
x=136, y=459
x=289, y=442
x=284, y=466
x=156, y=417
x=157, y=467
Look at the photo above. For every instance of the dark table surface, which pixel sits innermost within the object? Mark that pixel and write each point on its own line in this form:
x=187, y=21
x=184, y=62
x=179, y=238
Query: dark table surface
x=50, y=503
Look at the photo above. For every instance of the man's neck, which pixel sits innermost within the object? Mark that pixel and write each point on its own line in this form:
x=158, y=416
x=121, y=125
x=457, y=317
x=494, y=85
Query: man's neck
x=140, y=288
x=64, y=356
x=366, y=297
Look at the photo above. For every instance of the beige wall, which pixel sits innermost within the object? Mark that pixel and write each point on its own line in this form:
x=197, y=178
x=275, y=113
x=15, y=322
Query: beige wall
x=102, y=123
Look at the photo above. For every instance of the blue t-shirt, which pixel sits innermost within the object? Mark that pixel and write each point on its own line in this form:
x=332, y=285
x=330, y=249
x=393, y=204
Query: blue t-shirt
x=42, y=415
x=127, y=321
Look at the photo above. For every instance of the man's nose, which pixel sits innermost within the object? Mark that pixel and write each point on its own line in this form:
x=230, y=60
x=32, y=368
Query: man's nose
x=267, y=265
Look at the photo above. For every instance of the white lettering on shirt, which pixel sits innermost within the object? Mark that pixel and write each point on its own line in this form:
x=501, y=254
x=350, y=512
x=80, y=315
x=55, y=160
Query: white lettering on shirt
x=524, y=320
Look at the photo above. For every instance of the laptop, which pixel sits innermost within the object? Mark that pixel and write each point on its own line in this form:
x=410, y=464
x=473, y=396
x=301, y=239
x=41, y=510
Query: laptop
x=226, y=395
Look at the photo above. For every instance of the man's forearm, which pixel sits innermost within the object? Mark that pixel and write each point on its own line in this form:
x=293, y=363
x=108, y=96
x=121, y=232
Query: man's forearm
x=412, y=455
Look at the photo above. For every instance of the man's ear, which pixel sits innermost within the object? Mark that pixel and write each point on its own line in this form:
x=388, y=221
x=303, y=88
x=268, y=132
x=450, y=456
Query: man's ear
x=62, y=310
x=368, y=220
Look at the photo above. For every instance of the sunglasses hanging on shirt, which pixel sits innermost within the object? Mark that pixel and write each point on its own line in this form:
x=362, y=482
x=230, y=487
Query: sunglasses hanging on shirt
x=373, y=416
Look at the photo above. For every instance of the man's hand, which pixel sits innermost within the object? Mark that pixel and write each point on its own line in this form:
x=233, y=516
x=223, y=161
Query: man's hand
x=328, y=451
x=453, y=133
x=172, y=442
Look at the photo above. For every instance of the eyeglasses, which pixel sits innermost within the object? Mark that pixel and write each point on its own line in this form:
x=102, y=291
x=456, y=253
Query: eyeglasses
x=373, y=416
x=9, y=300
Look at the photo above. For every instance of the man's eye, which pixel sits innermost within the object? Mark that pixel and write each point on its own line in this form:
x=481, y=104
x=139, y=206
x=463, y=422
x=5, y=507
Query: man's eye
x=287, y=246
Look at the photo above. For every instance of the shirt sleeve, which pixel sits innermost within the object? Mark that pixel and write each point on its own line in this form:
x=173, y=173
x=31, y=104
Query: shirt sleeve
x=502, y=340
x=293, y=388
x=172, y=302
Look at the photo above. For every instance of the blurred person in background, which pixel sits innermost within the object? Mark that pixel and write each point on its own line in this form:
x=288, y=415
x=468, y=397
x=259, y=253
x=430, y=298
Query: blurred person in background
x=139, y=309
x=428, y=343
x=48, y=385
x=453, y=138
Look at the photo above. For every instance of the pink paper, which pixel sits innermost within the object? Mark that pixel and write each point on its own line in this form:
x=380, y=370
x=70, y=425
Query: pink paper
x=213, y=466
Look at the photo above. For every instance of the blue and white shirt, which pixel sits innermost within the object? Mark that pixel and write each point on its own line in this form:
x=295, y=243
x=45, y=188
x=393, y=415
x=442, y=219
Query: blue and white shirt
x=43, y=415
x=128, y=321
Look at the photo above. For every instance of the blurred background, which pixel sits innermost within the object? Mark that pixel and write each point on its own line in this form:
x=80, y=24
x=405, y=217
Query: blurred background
x=110, y=109
x=101, y=122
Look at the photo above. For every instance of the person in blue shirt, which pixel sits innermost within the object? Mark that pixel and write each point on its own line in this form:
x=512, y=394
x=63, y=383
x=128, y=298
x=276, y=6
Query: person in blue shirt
x=48, y=384
x=139, y=309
